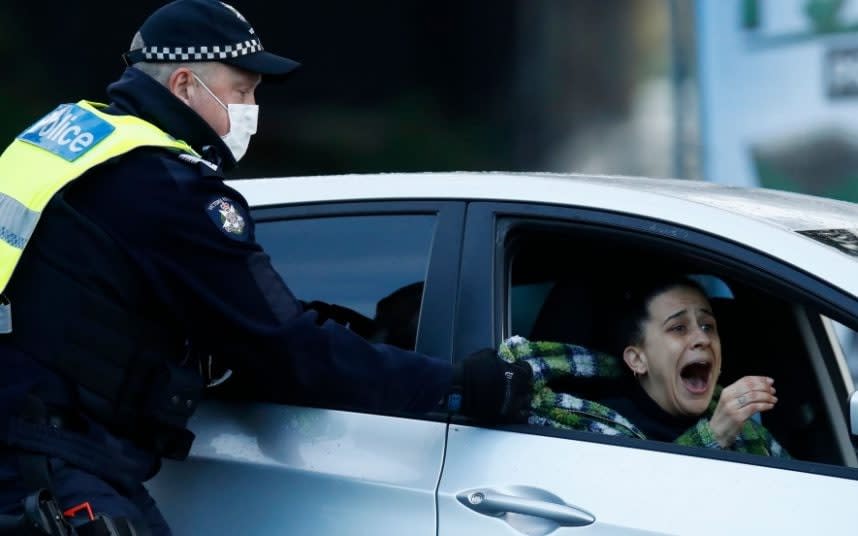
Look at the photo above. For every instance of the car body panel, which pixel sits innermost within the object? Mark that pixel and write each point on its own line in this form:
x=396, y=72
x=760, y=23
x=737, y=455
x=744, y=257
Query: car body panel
x=266, y=469
x=632, y=491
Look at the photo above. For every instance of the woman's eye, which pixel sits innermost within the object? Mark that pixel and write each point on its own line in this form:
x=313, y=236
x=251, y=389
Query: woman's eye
x=708, y=327
x=679, y=328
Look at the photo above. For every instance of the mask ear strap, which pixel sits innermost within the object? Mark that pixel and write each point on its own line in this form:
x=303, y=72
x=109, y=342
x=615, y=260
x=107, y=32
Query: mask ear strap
x=225, y=107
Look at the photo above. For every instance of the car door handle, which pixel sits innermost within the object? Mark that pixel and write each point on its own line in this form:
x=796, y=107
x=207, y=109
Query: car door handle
x=525, y=501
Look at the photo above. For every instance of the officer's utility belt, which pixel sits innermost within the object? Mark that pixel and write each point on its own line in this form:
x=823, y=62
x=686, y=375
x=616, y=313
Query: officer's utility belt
x=74, y=299
x=42, y=517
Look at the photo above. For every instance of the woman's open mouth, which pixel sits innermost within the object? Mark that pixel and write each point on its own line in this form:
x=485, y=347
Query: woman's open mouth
x=695, y=376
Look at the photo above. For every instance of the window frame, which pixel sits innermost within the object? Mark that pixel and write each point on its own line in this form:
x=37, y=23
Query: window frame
x=488, y=228
x=434, y=332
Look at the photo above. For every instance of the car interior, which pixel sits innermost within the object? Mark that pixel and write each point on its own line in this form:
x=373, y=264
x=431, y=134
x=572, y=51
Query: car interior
x=565, y=287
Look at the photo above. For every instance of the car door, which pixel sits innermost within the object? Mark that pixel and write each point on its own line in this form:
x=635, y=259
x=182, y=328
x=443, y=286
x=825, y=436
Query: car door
x=523, y=479
x=261, y=468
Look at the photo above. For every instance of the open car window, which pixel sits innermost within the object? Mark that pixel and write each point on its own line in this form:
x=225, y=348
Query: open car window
x=562, y=285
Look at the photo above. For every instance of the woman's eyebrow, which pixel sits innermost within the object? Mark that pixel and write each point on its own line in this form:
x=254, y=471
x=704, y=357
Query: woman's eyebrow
x=674, y=315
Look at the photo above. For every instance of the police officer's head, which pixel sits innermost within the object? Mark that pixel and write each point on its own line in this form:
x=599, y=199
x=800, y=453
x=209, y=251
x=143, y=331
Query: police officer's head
x=207, y=54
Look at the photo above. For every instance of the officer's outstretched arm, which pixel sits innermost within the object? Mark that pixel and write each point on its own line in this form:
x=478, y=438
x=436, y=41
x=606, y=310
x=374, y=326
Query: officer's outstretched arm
x=196, y=243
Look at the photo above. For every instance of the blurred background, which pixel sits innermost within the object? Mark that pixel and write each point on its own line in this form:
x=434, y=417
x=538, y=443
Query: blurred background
x=747, y=92
x=742, y=92
x=414, y=85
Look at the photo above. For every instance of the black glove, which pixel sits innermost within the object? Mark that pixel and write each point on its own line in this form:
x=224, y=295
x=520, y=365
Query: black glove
x=487, y=388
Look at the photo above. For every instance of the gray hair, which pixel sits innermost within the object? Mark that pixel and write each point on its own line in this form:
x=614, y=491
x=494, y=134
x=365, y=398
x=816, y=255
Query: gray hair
x=161, y=71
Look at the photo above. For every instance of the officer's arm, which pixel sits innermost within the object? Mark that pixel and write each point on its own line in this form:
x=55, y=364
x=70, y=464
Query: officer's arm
x=239, y=308
x=195, y=243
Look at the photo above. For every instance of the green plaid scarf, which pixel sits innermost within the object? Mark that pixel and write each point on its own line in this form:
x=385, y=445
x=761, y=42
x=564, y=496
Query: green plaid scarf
x=550, y=360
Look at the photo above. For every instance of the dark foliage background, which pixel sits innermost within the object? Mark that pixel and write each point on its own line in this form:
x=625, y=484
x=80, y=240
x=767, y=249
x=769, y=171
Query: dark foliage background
x=409, y=85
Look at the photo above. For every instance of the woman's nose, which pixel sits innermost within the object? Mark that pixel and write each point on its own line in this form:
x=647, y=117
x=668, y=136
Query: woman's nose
x=701, y=337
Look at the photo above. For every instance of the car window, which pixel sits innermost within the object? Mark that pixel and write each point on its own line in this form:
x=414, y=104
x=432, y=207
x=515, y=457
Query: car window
x=526, y=300
x=848, y=340
x=372, y=266
x=567, y=287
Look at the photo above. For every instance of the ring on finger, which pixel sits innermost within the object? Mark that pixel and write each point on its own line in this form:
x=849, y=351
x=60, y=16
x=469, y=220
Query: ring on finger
x=742, y=400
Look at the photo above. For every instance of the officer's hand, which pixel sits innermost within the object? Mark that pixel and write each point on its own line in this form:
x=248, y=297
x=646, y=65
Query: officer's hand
x=344, y=316
x=492, y=389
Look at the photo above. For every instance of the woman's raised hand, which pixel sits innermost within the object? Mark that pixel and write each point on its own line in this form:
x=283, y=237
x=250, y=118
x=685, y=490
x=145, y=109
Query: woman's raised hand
x=740, y=400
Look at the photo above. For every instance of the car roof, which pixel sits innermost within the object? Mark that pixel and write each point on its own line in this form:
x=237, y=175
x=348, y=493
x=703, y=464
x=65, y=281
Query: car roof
x=789, y=226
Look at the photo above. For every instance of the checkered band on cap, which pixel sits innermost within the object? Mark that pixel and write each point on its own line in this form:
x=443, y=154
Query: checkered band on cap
x=202, y=53
x=204, y=30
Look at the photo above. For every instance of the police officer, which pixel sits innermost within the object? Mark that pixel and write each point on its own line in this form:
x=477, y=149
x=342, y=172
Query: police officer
x=127, y=265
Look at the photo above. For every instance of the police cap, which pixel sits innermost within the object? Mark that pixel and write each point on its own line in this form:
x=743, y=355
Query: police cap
x=205, y=30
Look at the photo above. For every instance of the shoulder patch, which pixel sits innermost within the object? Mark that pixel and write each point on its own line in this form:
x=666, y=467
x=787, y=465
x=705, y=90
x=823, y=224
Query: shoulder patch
x=69, y=131
x=229, y=217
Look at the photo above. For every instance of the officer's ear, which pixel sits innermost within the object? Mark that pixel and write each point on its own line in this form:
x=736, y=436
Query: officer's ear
x=182, y=84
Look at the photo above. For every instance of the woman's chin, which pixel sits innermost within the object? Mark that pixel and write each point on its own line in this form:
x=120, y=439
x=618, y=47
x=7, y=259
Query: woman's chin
x=696, y=406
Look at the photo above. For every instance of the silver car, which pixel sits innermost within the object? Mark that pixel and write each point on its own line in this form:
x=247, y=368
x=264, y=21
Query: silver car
x=449, y=263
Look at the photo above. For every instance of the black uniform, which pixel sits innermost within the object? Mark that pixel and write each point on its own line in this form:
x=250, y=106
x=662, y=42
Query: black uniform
x=152, y=257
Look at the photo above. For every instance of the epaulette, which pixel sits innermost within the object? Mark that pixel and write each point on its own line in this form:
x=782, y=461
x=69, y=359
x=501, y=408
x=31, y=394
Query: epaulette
x=191, y=159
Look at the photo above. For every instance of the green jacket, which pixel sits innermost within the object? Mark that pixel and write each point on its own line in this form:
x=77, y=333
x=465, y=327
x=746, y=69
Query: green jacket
x=552, y=360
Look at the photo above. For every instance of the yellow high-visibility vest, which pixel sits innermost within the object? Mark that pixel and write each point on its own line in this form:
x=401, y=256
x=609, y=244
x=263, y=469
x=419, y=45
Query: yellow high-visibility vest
x=53, y=152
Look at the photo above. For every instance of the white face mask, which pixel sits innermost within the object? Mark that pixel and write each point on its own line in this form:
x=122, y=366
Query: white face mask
x=242, y=124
